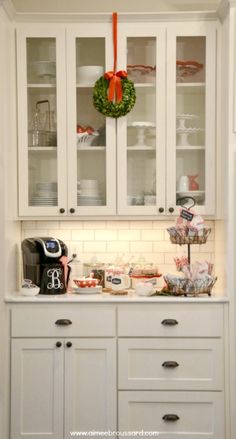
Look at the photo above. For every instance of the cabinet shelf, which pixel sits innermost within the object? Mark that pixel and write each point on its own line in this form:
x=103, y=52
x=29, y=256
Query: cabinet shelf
x=190, y=147
x=42, y=148
x=41, y=85
x=139, y=148
x=91, y=148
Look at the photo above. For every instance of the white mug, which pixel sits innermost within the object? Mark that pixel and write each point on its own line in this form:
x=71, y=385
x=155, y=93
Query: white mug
x=183, y=183
x=120, y=281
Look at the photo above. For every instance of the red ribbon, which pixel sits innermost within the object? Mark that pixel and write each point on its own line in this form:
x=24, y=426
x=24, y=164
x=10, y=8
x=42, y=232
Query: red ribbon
x=115, y=87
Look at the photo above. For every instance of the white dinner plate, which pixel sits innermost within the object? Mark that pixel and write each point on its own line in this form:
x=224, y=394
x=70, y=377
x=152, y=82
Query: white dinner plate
x=92, y=290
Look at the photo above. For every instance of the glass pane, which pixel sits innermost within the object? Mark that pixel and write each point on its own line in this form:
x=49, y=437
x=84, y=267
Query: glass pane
x=141, y=122
x=190, y=118
x=91, y=125
x=42, y=121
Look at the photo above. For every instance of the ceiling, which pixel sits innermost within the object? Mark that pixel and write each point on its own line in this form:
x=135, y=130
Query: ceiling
x=70, y=6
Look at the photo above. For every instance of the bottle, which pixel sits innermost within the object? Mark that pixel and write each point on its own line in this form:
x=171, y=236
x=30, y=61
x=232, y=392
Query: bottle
x=76, y=271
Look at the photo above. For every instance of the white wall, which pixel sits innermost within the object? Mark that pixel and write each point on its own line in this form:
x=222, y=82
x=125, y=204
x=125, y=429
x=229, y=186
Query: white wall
x=9, y=228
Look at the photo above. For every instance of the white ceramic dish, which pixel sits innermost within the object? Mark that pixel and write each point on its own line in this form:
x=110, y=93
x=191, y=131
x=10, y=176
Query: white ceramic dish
x=44, y=68
x=89, y=74
x=32, y=291
x=94, y=290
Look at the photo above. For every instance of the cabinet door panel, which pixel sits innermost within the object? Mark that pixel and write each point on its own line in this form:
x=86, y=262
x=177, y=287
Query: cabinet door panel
x=36, y=389
x=191, y=82
x=90, y=385
x=41, y=121
x=141, y=134
x=91, y=135
x=199, y=414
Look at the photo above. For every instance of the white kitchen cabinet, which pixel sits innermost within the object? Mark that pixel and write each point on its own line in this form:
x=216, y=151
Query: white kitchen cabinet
x=60, y=174
x=136, y=164
x=59, y=384
x=171, y=370
x=170, y=133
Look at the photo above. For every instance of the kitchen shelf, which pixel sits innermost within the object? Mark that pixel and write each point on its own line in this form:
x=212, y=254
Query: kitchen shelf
x=144, y=84
x=190, y=147
x=42, y=148
x=91, y=148
x=139, y=148
x=41, y=85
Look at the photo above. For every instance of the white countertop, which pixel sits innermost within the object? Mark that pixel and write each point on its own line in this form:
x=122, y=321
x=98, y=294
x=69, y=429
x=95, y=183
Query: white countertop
x=109, y=298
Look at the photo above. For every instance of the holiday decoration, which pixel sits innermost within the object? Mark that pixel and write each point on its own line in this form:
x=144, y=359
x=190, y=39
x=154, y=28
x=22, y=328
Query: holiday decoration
x=114, y=94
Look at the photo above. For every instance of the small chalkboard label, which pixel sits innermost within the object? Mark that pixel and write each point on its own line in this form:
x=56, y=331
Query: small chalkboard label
x=185, y=214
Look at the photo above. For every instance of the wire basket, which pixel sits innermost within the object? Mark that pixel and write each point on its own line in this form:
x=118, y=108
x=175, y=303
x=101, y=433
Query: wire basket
x=190, y=236
x=187, y=287
x=86, y=139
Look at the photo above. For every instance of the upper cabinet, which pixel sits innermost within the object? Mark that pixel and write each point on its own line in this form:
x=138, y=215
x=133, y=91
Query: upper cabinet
x=75, y=161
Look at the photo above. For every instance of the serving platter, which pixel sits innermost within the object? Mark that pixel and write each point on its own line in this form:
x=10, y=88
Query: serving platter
x=92, y=290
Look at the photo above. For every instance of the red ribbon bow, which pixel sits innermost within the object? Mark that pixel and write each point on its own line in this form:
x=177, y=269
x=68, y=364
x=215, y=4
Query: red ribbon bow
x=115, y=86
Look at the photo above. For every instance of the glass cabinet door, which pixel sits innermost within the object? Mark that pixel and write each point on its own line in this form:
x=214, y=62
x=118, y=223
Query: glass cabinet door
x=91, y=135
x=141, y=158
x=192, y=119
x=40, y=124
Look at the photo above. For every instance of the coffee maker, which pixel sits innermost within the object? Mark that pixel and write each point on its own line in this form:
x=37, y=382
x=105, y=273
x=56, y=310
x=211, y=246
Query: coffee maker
x=43, y=264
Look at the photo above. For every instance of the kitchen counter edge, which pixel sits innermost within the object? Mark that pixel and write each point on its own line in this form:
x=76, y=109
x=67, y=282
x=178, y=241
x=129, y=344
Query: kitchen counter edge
x=108, y=298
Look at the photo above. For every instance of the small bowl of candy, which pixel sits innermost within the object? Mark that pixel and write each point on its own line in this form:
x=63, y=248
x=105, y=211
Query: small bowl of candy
x=29, y=289
x=86, y=282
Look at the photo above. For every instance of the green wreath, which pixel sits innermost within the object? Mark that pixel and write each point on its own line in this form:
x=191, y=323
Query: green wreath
x=109, y=108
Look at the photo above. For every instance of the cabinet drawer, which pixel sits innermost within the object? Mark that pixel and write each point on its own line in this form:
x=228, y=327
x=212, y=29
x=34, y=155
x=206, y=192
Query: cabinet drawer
x=86, y=321
x=171, y=364
x=171, y=320
x=197, y=414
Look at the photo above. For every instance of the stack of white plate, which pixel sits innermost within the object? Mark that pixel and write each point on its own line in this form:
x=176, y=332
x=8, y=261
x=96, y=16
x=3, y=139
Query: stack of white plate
x=88, y=193
x=45, y=194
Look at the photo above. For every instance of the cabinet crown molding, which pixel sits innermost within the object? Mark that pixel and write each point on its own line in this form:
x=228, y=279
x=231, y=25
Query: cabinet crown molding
x=123, y=17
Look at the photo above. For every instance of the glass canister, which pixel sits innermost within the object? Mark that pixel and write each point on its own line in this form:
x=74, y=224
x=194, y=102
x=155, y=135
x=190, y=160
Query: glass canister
x=96, y=270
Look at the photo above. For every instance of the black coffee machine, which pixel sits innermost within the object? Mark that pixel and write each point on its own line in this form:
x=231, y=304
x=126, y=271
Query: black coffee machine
x=42, y=264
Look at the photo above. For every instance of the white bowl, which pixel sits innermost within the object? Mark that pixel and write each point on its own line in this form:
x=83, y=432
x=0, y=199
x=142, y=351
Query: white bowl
x=33, y=291
x=44, y=68
x=89, y=74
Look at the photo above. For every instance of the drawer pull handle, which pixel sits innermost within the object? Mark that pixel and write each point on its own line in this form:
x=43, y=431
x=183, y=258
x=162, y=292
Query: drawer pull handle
x=58, y=344
x=69, y=344
x=170, y=364
x=170, y=417
x=63, y=322
x=169, y=322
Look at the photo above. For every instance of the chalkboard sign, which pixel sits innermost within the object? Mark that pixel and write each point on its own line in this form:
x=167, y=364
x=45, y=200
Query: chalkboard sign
x=185, y=214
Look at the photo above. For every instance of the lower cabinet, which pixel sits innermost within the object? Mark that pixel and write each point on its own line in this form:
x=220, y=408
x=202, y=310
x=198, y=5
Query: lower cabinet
x=62, y=385
x=170, y=377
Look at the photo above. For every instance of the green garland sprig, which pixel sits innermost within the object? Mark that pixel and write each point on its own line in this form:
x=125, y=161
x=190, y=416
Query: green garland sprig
x=109, y=108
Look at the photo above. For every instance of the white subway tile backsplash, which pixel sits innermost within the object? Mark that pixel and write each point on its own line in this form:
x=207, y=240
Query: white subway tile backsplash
x=106, y=235
x=129, y=235
x=96, y=225
x=108, y=241
x=95, y=247
x=118, y=246
x=141, y=246
x=118, y=225
x=63, y=234
x=82, y=235
x=140, y=225
x=152, y=235
x=47, y=225
x=164, y=247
